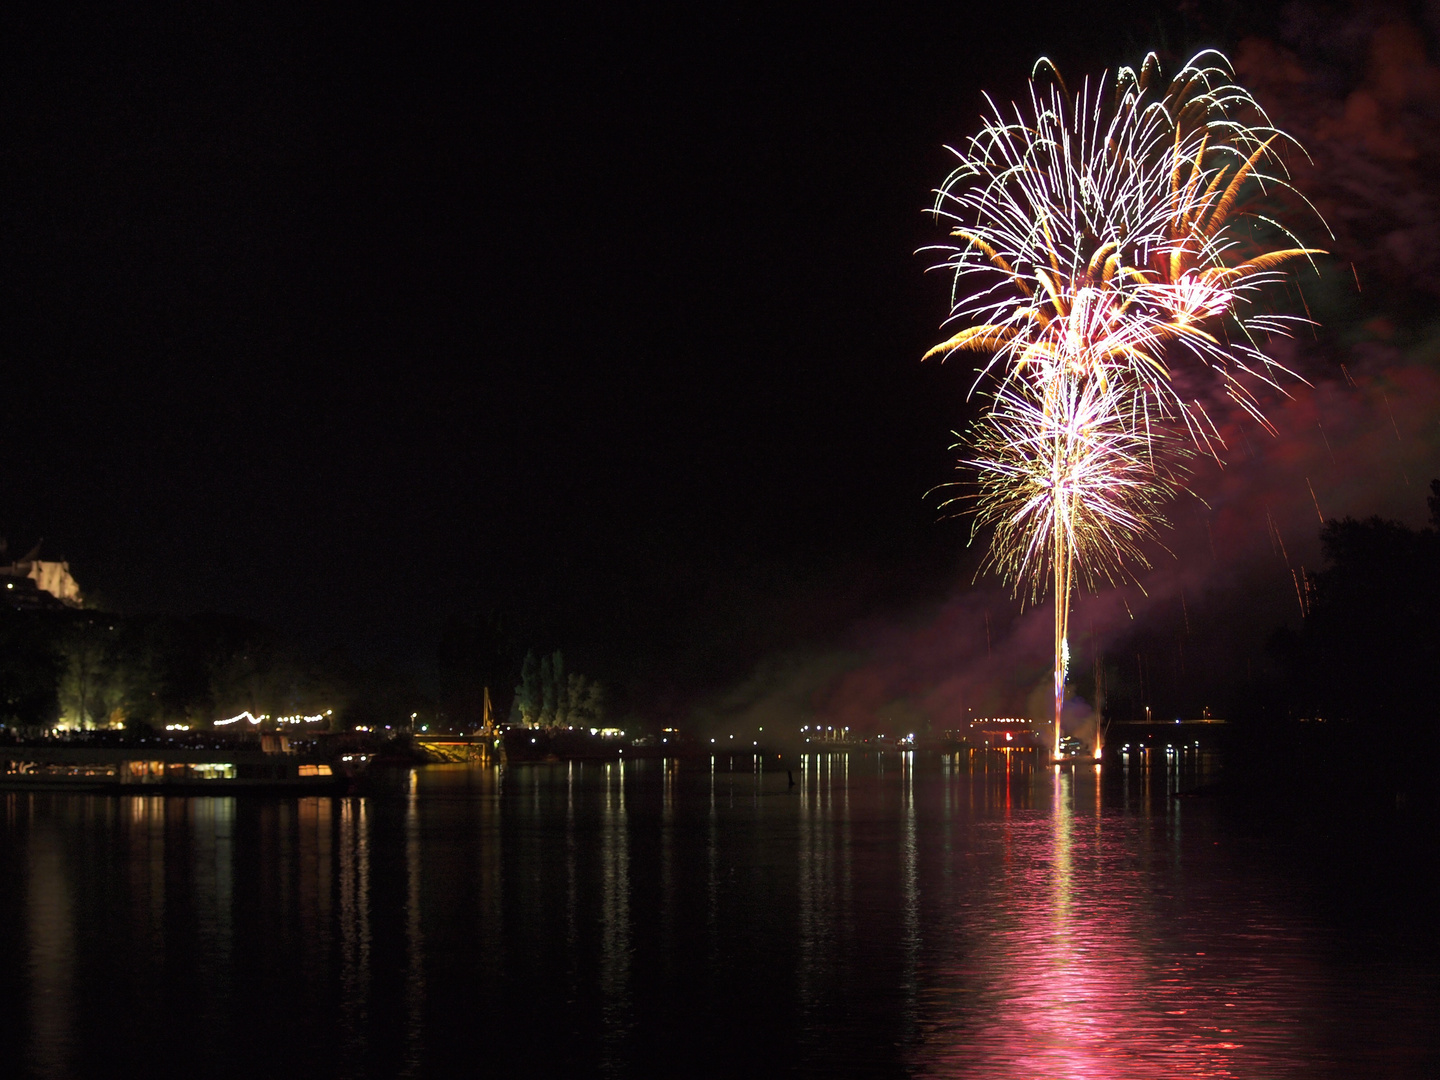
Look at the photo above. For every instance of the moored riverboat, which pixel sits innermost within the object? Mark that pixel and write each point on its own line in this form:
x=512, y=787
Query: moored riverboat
x=152, y=769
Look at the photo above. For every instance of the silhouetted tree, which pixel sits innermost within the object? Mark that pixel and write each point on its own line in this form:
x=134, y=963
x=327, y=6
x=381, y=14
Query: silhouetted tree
x=527, y=694
x=30, y=667
x=586, y=701
x=1370, y=647
x=547, y=692
x=559, y=690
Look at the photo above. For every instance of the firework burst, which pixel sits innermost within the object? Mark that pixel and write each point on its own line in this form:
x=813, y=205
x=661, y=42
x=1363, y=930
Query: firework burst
x=1101, y=228
x=1063, y=473
x=1101, y=237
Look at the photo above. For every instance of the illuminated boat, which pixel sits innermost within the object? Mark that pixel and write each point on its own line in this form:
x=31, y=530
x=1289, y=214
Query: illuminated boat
x=163, y=770
x=995, y=733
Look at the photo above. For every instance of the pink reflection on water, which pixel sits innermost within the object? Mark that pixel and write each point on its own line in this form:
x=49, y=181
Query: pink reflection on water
x=1063, y=966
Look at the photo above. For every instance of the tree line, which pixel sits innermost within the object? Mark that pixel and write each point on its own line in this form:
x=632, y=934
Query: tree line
x=1369, y=647
x=549, y=696
x=88, y=669
x=1365, y=650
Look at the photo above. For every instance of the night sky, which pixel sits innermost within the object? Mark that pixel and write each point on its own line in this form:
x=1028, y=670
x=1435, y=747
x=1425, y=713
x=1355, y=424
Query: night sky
x=608, y=322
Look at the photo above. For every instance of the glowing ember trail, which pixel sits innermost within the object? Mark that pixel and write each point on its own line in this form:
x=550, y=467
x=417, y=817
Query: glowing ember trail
x=1103, y=236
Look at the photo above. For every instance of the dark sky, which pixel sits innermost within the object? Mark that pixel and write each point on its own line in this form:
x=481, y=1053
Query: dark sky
x=610, y=321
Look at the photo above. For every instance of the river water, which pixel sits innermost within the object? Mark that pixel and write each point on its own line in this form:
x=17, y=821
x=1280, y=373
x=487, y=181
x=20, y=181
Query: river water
x=883, y=916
